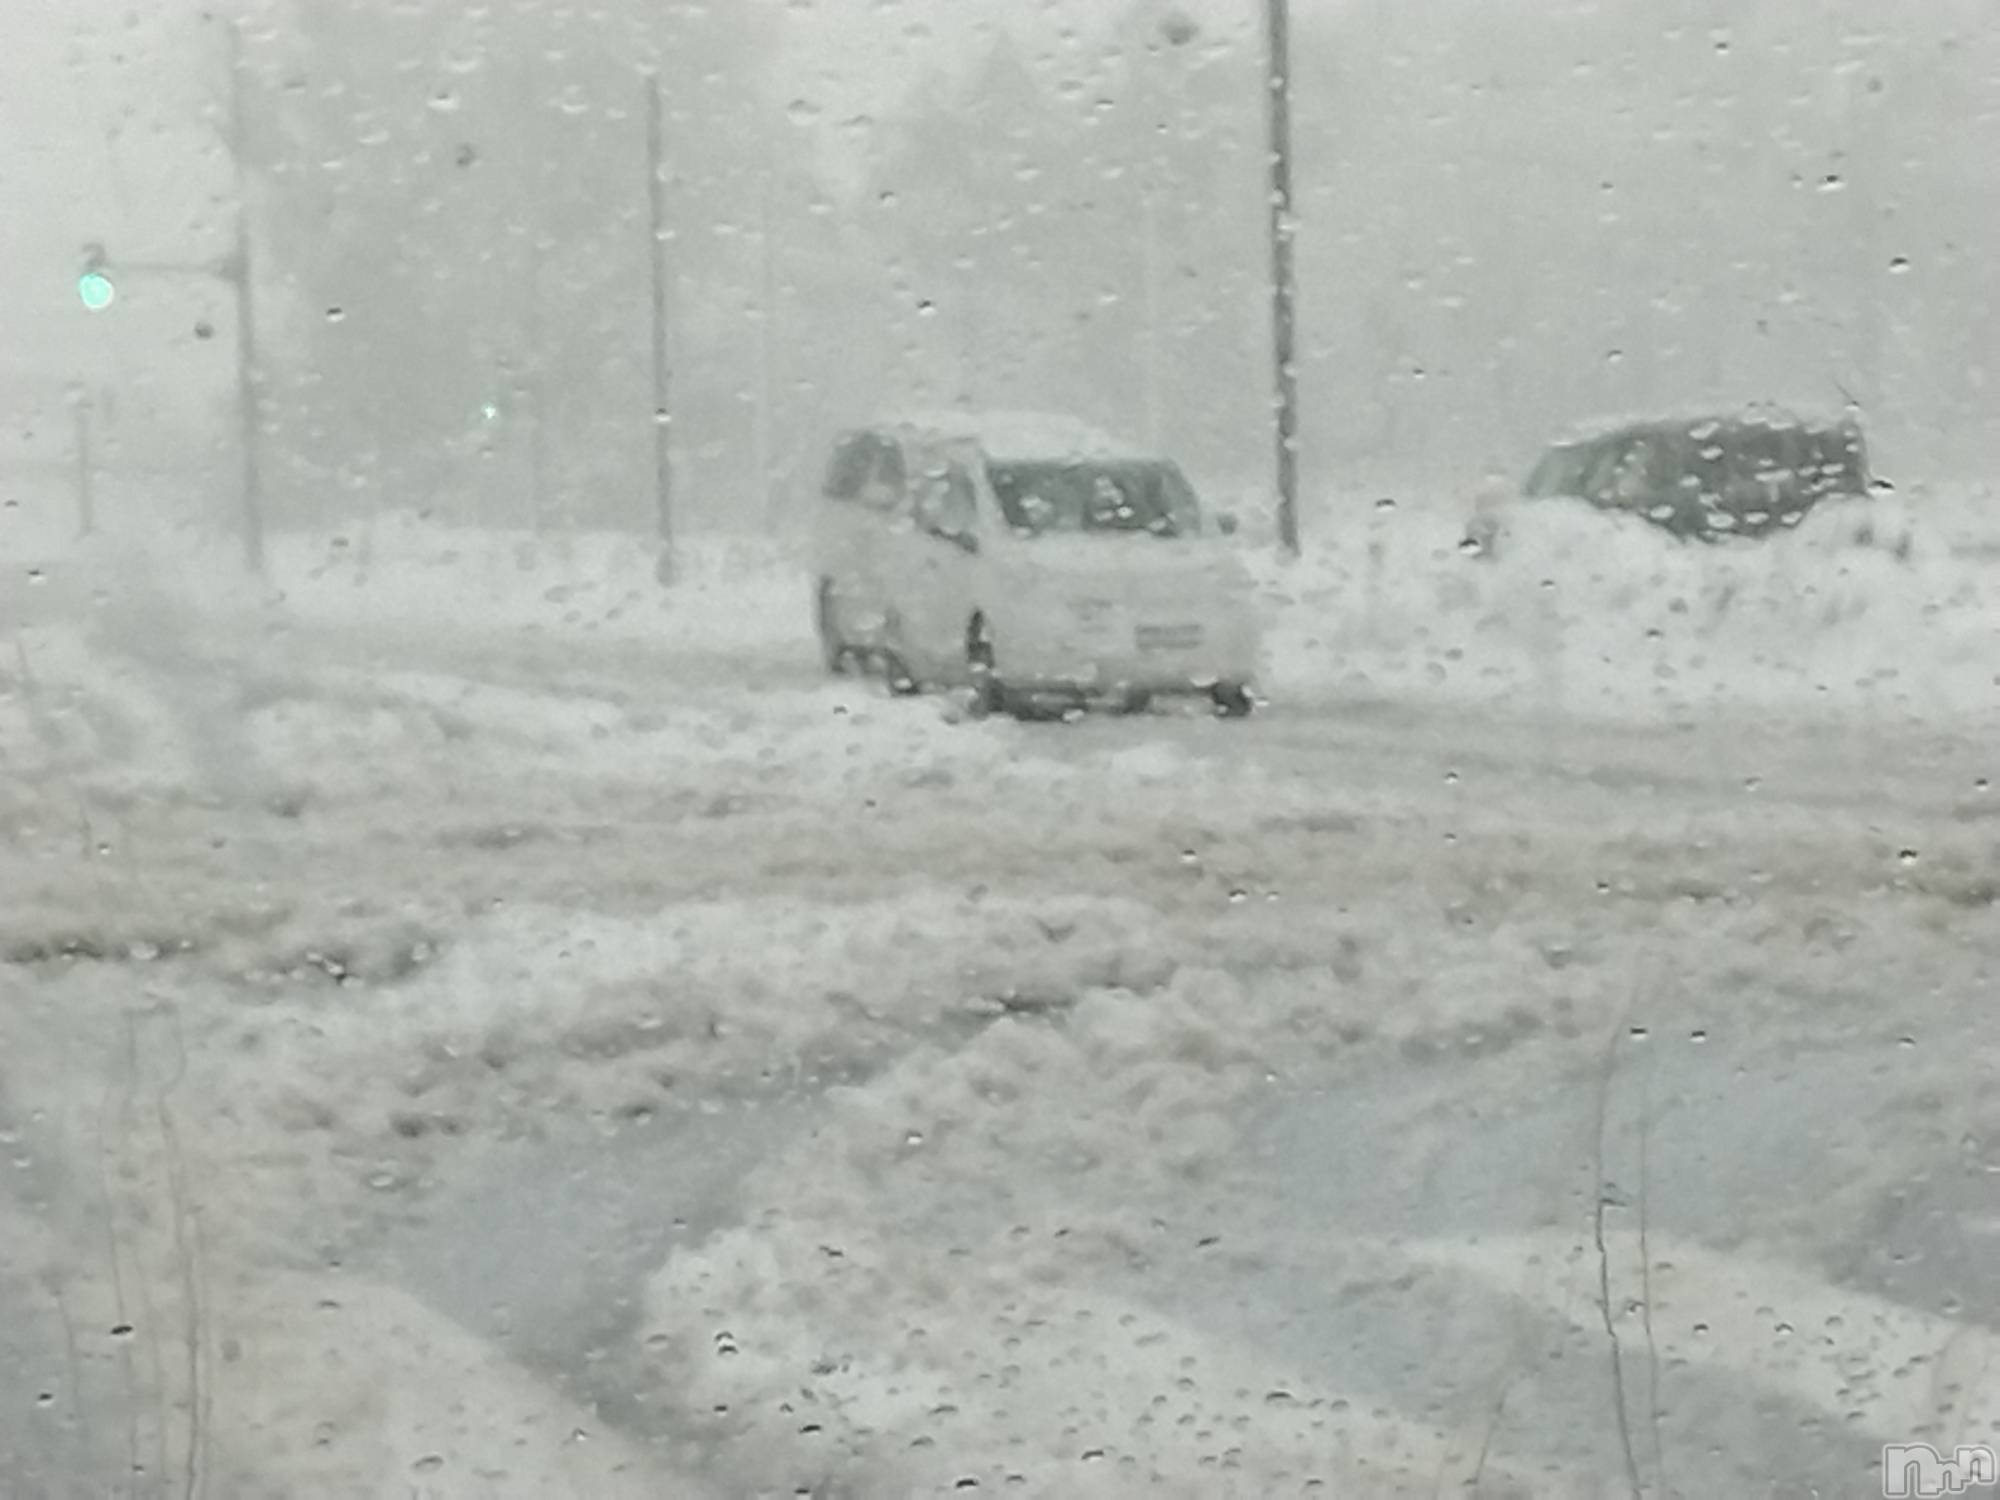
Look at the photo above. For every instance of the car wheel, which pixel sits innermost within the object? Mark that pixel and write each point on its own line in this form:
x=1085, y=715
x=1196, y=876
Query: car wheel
x=989, y=694
x=1232, y=700
x=897, y=674
x=835, y=653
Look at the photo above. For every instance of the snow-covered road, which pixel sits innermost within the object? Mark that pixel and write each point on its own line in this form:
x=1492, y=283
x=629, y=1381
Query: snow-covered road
x=546, y=1058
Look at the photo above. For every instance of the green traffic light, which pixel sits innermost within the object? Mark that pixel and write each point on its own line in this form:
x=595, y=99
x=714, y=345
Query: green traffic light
x=96, y=290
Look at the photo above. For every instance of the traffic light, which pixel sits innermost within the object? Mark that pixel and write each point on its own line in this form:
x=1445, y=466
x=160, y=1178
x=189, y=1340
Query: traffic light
x=93, y=286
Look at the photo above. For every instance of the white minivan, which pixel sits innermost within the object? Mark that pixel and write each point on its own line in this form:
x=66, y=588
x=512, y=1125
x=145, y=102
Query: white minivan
x=1028, y=557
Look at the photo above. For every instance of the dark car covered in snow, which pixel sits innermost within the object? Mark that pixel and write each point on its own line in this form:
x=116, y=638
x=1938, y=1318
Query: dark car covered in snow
x=1703, y=478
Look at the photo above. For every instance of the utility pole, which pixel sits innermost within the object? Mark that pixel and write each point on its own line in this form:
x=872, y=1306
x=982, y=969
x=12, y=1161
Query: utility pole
x=1175, y=31
x=767, y=333
x=663, y=457
x=249, y=406
x=1284, y=290
x=1149, y=246
x=86, y=507
x=535, y=390
x=1151, y=185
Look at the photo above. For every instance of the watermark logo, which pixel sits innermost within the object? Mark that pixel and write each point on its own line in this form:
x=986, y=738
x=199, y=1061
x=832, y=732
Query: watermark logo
x=1919, y=1469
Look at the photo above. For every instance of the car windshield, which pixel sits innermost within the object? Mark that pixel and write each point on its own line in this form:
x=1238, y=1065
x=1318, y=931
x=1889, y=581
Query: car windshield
x=1057, y=496
x=1560, y=472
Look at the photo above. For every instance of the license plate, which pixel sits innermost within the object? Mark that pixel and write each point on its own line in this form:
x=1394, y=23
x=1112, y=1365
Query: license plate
x=1168, y=637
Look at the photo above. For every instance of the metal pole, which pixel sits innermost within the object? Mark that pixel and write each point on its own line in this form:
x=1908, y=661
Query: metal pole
x=1154, y=170
x=86, y=507
x=1284, y=291
x=536, y=392
x=656, y=200
x=767, y=295
x=248, y=405
x=1149, y=232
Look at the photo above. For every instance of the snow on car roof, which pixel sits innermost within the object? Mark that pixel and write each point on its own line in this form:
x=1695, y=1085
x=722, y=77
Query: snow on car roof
x=1021, y=434
x=1760, y=414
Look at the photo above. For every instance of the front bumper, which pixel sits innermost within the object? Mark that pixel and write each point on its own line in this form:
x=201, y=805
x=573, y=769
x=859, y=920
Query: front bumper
x=1130, y=659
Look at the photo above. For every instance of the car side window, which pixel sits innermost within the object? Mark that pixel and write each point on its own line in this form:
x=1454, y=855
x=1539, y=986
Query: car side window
x=1599, y=470
x=1622, y=479
x=945, y=502
x=853, y=458
x=885, y=489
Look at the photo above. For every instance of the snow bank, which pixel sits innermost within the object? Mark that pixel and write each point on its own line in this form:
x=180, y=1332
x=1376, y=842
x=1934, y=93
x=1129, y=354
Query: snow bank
x=927, y=1369
x=957, y=1279
x=401, y=1404
x=1878, y=1366
x=1879, y=609
x=532, y=1009
x=728, y=593
x=403, y=573
x=989, y=1261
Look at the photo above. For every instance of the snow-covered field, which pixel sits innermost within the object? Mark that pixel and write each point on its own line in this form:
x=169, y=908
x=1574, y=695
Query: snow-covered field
x=1886, y=609
x=474, y=1025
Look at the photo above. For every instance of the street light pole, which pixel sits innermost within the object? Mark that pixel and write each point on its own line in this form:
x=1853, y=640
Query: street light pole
x=1284, y=291
x=98, y=292
x=250, y=417
x=656, y=202
x=763, y=415
x=86, y=507
x=1175, y=31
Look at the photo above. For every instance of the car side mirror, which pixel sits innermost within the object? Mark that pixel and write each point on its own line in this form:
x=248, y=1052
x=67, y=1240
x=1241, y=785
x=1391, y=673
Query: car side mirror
x=1225, y=522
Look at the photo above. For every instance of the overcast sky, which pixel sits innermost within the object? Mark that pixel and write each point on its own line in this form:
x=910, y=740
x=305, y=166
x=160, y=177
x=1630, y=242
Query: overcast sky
x=107, y=127
x=102, y=104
